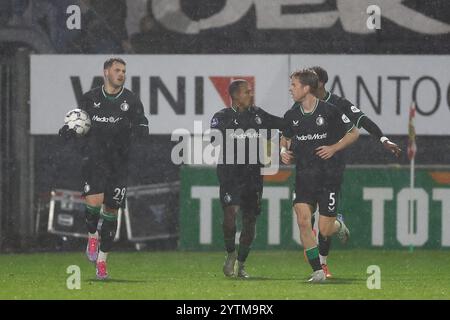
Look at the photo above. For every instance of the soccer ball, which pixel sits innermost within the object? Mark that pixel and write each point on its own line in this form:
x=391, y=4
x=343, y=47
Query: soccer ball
x=79, y=121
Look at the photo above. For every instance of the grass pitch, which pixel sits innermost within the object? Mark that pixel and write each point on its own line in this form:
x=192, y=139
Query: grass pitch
x=423, y=274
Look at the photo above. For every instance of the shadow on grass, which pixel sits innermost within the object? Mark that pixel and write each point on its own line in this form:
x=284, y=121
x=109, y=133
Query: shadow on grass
x=116, y=281
x=344, y=281
x=259, y=279
x=331, y=281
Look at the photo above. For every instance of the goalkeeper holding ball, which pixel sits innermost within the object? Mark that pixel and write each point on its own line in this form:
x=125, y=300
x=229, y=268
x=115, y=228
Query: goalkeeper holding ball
x=117, y=117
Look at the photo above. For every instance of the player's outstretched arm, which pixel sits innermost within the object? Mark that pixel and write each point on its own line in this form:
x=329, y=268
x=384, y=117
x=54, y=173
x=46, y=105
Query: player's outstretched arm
x=326, y=152
x=273, y=122
x=376, y=132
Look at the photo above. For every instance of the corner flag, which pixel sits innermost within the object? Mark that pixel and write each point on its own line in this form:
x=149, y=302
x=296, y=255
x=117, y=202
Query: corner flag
x=412, y=148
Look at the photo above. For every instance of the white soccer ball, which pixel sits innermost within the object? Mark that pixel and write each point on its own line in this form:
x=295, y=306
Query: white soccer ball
x=79, y=121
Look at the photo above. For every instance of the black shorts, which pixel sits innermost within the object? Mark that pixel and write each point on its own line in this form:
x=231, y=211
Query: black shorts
x=317, y=187
x=241, y=186
x=107, y=176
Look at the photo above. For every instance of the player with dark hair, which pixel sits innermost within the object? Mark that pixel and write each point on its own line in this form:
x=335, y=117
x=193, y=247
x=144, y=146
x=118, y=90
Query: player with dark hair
x=360, y=120
x=241, y=185
x=315, y=133
x=117, y=117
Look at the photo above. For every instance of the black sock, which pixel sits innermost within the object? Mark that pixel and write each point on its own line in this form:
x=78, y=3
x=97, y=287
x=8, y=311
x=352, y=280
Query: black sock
x=313, y=258
x=243, y=253
x=92, y=217
x=230, y=245
x=324, y=245
x=108, y=231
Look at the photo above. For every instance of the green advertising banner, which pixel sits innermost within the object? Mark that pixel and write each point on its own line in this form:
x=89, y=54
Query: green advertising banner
x=374, y=201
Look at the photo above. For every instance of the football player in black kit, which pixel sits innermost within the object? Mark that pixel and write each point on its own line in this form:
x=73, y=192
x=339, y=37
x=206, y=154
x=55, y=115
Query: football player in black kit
x=352, y=112
x=360, y=120
x=241, y=185
x=117, y=117
x=315, y=133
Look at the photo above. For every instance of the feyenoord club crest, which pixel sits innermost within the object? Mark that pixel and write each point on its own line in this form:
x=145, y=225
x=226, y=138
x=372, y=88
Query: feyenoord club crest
x=258, y=120
x=124, y=106
x=320, y=121
x=227, y=198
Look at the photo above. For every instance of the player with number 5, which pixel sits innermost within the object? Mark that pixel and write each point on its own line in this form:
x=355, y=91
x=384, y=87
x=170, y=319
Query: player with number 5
x=315, y=133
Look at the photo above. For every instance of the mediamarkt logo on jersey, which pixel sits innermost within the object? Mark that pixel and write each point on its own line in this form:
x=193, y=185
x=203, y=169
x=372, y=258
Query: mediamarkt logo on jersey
x=105, y=119
x=315, y=136
x=239, y=134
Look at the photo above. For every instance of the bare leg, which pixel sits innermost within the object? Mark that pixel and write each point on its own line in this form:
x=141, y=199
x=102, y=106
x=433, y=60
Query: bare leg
x=304, y=213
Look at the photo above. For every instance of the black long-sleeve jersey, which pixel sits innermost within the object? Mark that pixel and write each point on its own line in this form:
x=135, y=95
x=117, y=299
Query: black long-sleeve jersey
x=113, y=120
x=346, y=107
x=237, y=126
x=323, y=126
x=358, y=117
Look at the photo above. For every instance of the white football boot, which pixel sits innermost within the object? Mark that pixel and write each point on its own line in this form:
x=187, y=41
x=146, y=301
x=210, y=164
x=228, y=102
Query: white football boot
x=241, y=273
x=317, y=277
x=228, y=266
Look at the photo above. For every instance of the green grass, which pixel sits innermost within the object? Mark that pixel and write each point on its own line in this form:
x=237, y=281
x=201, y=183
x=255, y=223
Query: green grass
x=423, y=274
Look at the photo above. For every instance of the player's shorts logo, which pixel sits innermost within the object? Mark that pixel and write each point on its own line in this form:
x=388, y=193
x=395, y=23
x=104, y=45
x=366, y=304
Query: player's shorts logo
x=87, y=188
x=227, y=198
x=97, y=105
x=124, y=106
x=295, y=123
x=258, y=120
x=320, y=121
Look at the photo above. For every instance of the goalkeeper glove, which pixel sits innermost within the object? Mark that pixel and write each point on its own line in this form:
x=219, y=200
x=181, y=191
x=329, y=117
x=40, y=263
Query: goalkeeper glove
x=67, y=133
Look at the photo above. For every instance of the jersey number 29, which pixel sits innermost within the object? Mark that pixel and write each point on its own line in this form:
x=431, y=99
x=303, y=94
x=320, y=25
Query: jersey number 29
x=119, y=194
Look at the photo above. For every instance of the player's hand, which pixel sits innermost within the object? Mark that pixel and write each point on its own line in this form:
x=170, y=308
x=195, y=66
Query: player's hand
x=66, y=133
x=325, y=152
x=287, y=157
x=394, y=148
